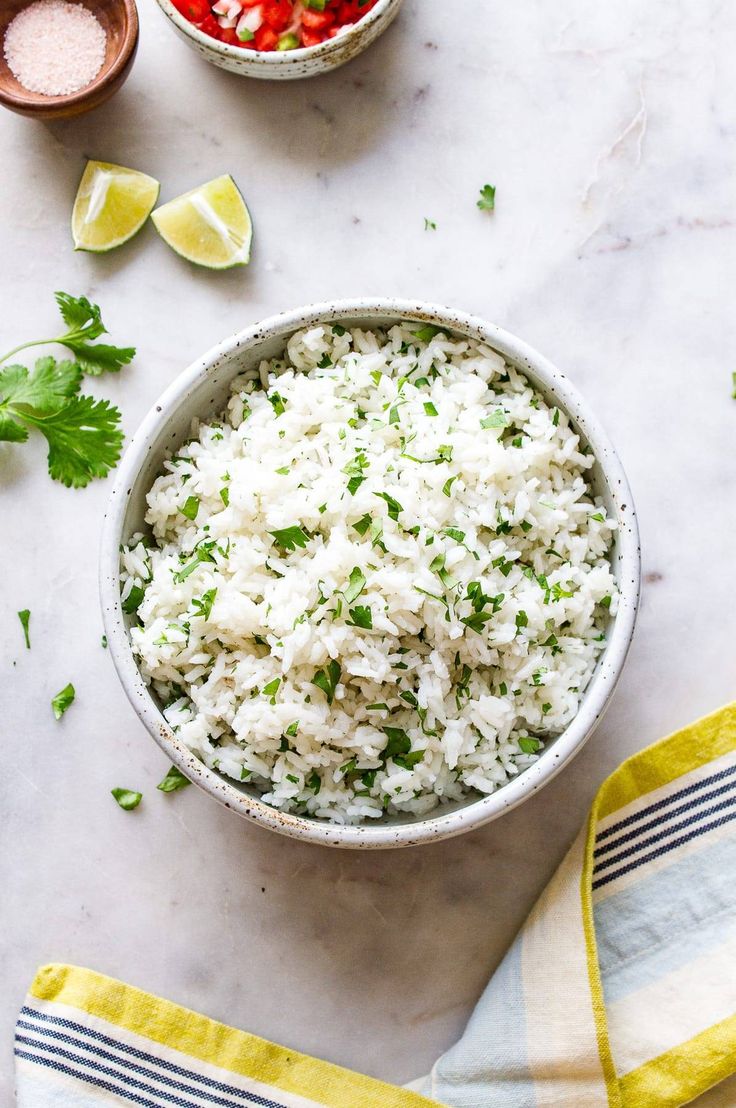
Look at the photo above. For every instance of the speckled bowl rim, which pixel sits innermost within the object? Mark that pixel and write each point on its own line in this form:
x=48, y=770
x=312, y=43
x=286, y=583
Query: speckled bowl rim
x=597, y=696
x=264, y=59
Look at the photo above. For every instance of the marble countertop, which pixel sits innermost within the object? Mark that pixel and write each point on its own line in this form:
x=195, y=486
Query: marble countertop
x=609, y=134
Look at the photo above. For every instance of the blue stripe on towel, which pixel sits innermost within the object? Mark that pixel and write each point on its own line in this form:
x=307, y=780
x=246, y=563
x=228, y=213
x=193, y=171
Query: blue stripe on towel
x=143, y=1056
x=666, y=919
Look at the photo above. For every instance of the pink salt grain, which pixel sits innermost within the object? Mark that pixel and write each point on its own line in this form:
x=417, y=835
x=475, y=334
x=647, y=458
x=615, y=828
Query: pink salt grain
x=55, y=47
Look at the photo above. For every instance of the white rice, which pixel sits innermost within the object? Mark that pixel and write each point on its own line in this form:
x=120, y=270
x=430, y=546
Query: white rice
x=494, y=525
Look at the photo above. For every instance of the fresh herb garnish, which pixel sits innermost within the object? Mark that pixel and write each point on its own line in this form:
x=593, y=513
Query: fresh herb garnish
x=487, y=199
x=190, y=507
x=327, y=679
x=356, y=584
x=128, y=799
x=429, y=224
x=276, y=403
x=25, y=619
x=84, y=323
x=83, y=434
x=495, y=419
x=173, y=781
x=430, y=409
x=325, y=362
x=133, y=600
x=292, y=729
x=62, y=700
x=203, y=604
x=529, y=745
x=290, y=537
x=313, y=782
x=437, y=565
x=398, y=742
x=362, y=525
x=446, y=488
x=337, y=328
x=272, y=688
x=522, y=619
x=427, y=333
x=225, y=495
x=394, y=508
x=361, y=617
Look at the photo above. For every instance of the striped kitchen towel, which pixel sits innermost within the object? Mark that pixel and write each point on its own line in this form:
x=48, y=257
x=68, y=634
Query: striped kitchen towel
x=620, y=990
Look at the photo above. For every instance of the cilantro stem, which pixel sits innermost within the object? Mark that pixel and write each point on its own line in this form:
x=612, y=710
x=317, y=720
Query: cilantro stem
x=25, y=345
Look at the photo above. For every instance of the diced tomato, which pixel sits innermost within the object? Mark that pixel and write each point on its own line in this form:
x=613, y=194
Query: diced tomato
x=350, y=11
x=193, y=10
x=265, y=38
x=317, y=21
x=311, y=38
x=278, y=14
x=227, y=34
x=210, y=26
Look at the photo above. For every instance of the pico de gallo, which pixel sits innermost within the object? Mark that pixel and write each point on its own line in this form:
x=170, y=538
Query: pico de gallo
x=273, y=24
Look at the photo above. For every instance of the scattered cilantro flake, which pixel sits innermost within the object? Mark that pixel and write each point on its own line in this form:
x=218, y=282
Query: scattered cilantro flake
x=356, y=584
x=203, y=604
x=522, y=619
x=393, y=415
x=272, y=687
x=448, y=485
x=495, y=419
x=292, y=729
x=190, y=507
x=437, y=565
x=398, y=742
x=427, y=333
x=429, y=224
x=362, y=525
x=361, y=616
x=128, y=799
x=430, y=408
x=408, y=761
x=376, y=707
x=327, y=680
x=394, y=508
x=487, y=199
x=290, y=537
x=555, y=417
x=290, y=777
x=477, y=621
x=225, y=495
x=63, y=700
x=283, y=470
x=337, y=328
x=173, y=781
x=103, y=642
x=25, y=619
x=529, y=745
x=276, y=403
x=546, y=708
x=599, y=517
x=313, y=782
x=733, y=384
x=325, y=362
x=606, y=602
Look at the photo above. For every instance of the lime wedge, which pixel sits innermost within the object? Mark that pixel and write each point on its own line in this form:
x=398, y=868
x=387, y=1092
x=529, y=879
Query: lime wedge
x=209, y=226
x=112, y=204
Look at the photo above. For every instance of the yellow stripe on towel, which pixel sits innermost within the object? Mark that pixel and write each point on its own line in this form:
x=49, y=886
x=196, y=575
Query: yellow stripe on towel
x=215, y=1043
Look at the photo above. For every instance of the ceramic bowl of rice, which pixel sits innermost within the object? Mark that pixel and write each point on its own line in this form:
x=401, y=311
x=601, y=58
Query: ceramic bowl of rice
x=370, y=572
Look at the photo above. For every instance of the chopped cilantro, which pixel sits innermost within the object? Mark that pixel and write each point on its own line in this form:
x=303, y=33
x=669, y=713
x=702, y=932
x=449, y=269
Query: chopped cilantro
x=437, y=565
x=555, y=417
x=361, y=617
x=495, y=419
x=62, y=700
x=356, y=584
x=327, y=680
x=393, y=415
x=408, y=761
x=337, y=328
x=290, y=537
x=430, y=408
x=276, y=403
x=190, y=507
x=128, y=799
x=313, y=782
x=272, y=687
x=25, y=619
x=429, y=224
x=599, y=517
x=292, y=729
x=173, y=781
x=103, y=642
x=606, y=602
x=522, y=619
x=546, y=708
x=204, y=604
x=448, y=485
x=398, y=742
x=362, y=525
x=487, y=199
x=427, y=333
x=529, y=745
x=225, y=495
x=394, y=508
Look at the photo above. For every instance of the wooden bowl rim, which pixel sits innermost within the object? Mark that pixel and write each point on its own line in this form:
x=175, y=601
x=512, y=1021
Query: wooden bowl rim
x=29, y=105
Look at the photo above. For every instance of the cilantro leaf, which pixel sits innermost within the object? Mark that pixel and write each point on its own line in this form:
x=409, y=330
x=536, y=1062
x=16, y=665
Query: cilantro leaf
x=356, y=585
x=487, y=198
x=190, y=507
x=361, y=616
x=84, y=439
x=45, y=389
x=25, y=619
x=128, y=799
x=290, y=537
x=203, y=604
x=85, y=323
x=80, y=315
x=62, y=700
x=393, y=505
x=172, y=782
x=327, y=680
x=398, y=742
x=99, y=358
x=10, y=431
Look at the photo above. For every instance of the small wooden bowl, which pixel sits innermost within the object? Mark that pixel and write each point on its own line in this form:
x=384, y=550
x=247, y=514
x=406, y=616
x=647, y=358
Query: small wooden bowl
x=119, y=18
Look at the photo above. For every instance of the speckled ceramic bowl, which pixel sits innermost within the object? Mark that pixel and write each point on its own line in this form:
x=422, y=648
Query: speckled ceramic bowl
x=287, y=64
x=202, y=391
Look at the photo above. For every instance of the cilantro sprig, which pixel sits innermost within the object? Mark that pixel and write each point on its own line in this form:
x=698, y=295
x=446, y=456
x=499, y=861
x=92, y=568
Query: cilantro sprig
x=83, y=434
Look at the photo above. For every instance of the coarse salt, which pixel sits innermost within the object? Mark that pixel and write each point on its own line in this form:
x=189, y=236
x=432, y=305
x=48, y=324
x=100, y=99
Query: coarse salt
x=55, y=47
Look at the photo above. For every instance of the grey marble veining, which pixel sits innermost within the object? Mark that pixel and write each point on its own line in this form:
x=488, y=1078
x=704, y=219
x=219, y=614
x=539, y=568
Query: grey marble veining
x=610, y=134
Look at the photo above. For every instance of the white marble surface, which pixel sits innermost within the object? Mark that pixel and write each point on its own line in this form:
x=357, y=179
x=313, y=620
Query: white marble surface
x=609, y=133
